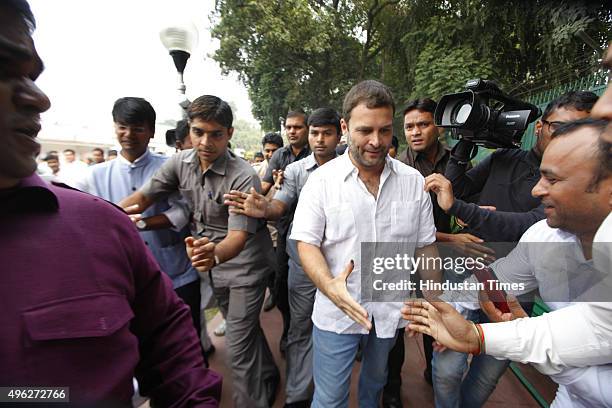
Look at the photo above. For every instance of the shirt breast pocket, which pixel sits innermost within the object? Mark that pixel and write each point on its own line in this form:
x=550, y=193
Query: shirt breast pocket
x=405, y=220
x=339, y=223
x=68, y=332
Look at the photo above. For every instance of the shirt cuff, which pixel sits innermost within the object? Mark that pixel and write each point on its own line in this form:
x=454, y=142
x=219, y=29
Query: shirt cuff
x=501, y=339
x=306, y=237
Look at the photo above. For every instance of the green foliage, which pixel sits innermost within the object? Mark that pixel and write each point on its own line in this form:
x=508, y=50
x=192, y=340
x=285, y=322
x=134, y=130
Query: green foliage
x=308, y=53
x=246, y=136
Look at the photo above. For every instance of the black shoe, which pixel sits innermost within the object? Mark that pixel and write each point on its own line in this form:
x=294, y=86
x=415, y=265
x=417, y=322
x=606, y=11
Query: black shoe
x=299, y=404
x=428, y=376
x=272, y=389
x=391, y=401
x=269, y=303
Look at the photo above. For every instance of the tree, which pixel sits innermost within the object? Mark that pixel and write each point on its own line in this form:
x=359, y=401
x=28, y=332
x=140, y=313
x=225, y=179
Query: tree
x=308, y=53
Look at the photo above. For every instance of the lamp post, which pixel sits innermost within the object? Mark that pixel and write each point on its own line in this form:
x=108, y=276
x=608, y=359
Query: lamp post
x=179, y=40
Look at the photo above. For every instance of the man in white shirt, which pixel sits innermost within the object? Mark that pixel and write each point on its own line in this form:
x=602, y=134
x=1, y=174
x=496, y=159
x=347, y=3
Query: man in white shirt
x=358, y=198
x=576, y=190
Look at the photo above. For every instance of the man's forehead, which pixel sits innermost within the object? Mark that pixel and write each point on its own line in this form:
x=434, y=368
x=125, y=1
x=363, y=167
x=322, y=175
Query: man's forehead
x=417, y=114
x=321, y=128
x=15, y=35
x=575, y=147
x=296, y=120
x=206, y=124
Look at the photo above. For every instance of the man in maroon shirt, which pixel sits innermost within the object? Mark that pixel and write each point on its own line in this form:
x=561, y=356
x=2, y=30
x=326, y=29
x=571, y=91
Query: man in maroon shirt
x=84, y=304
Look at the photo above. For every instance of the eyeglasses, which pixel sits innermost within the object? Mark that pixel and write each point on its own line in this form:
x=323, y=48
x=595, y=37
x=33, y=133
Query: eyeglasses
x=554, y=125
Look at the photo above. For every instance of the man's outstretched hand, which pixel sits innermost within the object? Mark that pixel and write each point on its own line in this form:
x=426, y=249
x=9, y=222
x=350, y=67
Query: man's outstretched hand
x=337, y=292
x=442, y=322
x=251, y=204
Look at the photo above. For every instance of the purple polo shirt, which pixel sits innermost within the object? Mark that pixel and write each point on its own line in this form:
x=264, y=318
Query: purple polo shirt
x=83, y=304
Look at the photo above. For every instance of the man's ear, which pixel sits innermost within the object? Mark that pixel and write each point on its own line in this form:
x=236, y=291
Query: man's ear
x=344, y=126
x=538, y=127
x=230, y=132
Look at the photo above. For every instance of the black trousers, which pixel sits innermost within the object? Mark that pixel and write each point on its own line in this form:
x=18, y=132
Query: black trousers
x=396, y=360
x=190, y=294
x=281, y=292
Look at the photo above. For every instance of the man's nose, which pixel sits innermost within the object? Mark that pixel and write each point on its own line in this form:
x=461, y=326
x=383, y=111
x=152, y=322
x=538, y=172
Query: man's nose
x=29, y=96
x=539, y=190
x=603, y=107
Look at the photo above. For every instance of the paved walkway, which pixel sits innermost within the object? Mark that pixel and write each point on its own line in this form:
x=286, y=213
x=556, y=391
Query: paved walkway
x=415, y=391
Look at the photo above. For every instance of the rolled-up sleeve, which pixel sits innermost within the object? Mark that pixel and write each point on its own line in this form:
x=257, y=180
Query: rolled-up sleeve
x=427, y=228
x=309, y=219
x=165, y=181
x=178, y=213
x=240, y=222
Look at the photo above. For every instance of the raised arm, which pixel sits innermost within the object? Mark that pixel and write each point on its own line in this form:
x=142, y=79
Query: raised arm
x=466, y=182
x=253, y=204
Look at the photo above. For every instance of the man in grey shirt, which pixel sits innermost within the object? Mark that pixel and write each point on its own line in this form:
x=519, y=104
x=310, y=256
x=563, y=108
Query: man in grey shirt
x=323, y=137
x=236, y=249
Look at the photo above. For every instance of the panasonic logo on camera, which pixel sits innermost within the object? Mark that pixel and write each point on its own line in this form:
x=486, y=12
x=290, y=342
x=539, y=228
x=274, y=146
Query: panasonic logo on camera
x=512, y=116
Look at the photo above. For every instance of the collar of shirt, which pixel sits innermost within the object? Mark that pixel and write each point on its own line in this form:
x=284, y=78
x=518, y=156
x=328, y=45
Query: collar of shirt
x=310, y=162
x=139, y=162
x=347, y=168
x=32, y=194
x=442, y=151
x=288, y=152
x=219, y=165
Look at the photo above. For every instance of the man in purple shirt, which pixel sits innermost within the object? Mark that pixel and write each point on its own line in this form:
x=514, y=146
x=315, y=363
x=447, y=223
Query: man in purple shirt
x=84, y=304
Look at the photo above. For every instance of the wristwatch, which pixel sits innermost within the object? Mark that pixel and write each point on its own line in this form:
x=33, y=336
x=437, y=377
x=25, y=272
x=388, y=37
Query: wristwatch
x=141, y=224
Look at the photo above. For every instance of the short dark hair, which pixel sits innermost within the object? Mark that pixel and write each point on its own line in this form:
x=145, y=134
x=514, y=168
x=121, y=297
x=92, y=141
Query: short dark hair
x=69, y=151
x=373, y=93
x=97, y=149
x=272, y=138
x=22, y=8
x=112, y=152
x=576, y=100
x=182, y=130
x=258, y=154
x=603, y=151
x=324, y=117
x=211, y=108
x=50, y=156
x=297, y=113
x=131, y=110
x=423, y=104
x=395, y=142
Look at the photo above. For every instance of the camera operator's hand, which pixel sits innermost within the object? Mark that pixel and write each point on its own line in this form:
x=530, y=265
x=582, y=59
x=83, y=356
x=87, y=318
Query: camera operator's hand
x=442, y=187
x=463, y=151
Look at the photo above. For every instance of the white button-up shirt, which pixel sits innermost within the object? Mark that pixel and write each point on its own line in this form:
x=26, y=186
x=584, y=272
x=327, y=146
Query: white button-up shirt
x=556, y=344
x=337, y=213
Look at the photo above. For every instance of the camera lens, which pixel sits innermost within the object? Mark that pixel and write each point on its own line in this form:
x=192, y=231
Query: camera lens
x=463, y=113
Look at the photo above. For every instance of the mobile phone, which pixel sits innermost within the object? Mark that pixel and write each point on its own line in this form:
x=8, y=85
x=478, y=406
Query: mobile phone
x=486, y=276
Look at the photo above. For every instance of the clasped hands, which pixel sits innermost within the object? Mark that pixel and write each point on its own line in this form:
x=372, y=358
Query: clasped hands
x=201, y=253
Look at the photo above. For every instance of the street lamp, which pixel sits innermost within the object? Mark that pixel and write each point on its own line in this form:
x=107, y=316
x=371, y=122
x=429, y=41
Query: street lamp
x=179, y=40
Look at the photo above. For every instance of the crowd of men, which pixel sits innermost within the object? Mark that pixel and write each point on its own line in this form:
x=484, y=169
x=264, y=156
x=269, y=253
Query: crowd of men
x=92, y=297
